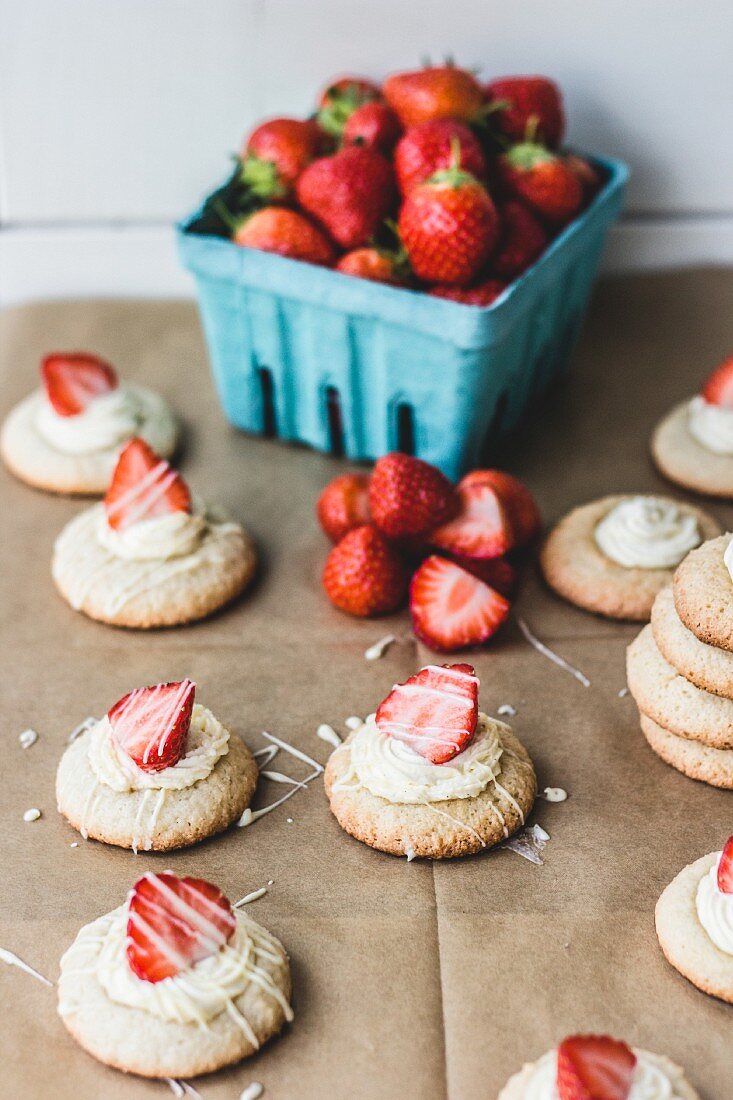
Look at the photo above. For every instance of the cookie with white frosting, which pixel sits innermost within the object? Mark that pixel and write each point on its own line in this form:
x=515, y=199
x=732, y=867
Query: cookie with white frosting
x=694, y=921
x=66, y=437
x=174, y=983
x=597, y=1065
x=159, y=771
x=612, y=556
x=693, y=444
x=150, y=555
x=703, y=592
x=692, y=758
x=428, y=775
x=705, y=666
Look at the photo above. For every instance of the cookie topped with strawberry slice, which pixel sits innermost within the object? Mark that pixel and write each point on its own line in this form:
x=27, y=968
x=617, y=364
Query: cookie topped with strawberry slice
x=151, y=554
x=158, y=771
x=429, y=774
x=174, y=983
x=66, y=436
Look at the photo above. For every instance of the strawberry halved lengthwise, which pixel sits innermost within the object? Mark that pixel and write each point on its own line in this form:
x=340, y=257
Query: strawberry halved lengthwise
x=434, y=712
x=73, y=380
x=143, y=486
x=718, y=390
x=151, y=724
x=452, y=609
x=173, y=923
x=519, y=504
x=482, y=528
x=594, y=1067
x=725, y=868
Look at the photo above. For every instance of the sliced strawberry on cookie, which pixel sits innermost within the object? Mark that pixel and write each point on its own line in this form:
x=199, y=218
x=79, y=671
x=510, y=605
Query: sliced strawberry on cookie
x=725, y=868
x=718, y=390
x=482, y=529
x=408, y=497
x=344, y=505
x=173, y=923
x=434, y=712
x=73, y=380
x=594, y=1067
x=143, y=486
x=520, y=505
x=151, y=724
x=452, y=609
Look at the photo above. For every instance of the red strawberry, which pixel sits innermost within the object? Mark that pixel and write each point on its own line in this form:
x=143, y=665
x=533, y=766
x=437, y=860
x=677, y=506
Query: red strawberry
x=350, y=193
x=520, y=100
x=341, y=98
x=275, y=229
x=72, y=380
x=725, y=868
x=449, y=226
x=173, y=923
x=430, y=93
x=718, y=390
x=518, y=502
x=426, y=148
x=143, y=486
x=275, y=154
x=482, y=528
x=373, y=124
x=521, y=241
x=482, y=294
x=344, y=505
x=434, y=712
x=594, y=1067
x=151, y=724
x=408, y=497
x=452, y=609
x=590, y=178
x=372, y=263
x=364, y=575
x=498, y=573
x=543, y=180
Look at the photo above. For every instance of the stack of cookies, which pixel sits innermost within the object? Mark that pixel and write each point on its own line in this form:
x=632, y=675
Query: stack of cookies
x=680, y=667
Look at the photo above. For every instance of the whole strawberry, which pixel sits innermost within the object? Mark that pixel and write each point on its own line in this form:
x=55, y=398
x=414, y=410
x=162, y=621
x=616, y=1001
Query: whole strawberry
x=543, y=180
x=276, y=229
x=441, y=92
x=373, y=263
x=409, y=497
x=482, y=294
x=364, y=575
x=521, y=241
x=340, y=99
x=344, y=505
x=448, y=226
x=524, y=100
x=275, y=154
x=350, y=193
x=589, y=176
x=428, y=147
x=373, y=124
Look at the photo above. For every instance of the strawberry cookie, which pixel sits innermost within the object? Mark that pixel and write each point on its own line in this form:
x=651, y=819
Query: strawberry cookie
x=159, y=771
x=613, y=556
x=175, y=982
x=428, y=774
x=597, y=1067
x=66, y=437
x=149, y=555
x=693, y=445
x=694, y=920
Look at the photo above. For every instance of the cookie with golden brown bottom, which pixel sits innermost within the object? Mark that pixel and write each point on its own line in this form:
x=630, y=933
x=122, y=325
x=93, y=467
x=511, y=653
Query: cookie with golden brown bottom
x=613, y=556
x=174, y=983
x=703, y=665
x=694, y=922
x=703, y=592
x=683, y=459
x=693, y=759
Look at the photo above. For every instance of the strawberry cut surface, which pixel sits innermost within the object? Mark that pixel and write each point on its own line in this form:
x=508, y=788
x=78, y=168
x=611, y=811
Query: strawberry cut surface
x=452, y=609
x=481, y=529
x=151, y=724
x=718, y=390
x=594, y=1067
x=173, y=923
x=143, y=486
x=434, y=712
x=518, y=503
x=72, y=381
x=725, y=868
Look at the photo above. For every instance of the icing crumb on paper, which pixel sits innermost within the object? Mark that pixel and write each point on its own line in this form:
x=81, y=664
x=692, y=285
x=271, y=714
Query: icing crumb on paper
x=27, y=738
x=623, y=693
x=254, y=896
x=32, y=815
x=252, y=1092
x=555, y=794
x=529, y=842
x=506, y=710
x=378, y=650
x=328, y=734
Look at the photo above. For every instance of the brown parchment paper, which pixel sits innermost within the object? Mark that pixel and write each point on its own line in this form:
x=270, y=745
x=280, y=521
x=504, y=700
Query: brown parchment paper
x=411, y=980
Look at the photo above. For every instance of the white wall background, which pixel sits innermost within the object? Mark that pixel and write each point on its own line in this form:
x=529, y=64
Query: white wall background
x=117, y=115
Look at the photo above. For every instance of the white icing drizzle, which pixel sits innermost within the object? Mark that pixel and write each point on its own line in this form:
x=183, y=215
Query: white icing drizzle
x=328, y=734
x=32, y=814
x=250, y=816
x=254, y=896
x=715, y=909
x=94, y=794
x=27, y=738
x=175, y=1086
x=268, y=754
x=77, y=731
x=297, y=753
x=14, y=960
x=529, y=842
x=353, y=722
x=550, y=654
x=506, y=710
x=378, y=650
x=252, y=1092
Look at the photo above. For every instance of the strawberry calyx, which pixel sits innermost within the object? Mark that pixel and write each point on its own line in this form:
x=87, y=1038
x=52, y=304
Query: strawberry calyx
x=262, y=178
x=453, y=176
x=340, y=104
x=528, y=155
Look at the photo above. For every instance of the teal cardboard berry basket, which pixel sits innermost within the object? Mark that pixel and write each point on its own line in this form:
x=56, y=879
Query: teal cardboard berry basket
x=360, y=368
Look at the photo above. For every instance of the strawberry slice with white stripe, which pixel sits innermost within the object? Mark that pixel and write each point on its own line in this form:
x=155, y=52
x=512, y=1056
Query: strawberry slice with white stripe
x=434, y=712
x=143, y=486
x=150, y=725
x=173, y=923
x=73, y=380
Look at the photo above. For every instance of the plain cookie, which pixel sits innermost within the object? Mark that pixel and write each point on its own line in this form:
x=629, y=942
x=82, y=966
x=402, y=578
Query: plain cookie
x=703, y=594
x=713, y=766
x=703, y=665
x=680, y=458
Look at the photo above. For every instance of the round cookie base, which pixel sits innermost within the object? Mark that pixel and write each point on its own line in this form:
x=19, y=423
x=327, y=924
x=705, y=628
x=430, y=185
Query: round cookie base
x=703, y=594
x=706, y=667
x=684, y=941
x=575, y=568
x=457, y=827
x=186, y=816
x=696, y=761
x=516, y=1086
x=681, y=459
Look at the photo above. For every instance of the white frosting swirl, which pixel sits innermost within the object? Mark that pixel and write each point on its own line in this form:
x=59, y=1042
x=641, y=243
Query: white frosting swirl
x=647, y=533
x=654, y=1079
x=107, y=421
x=391, y=769
x=206, y=743
x=715, y=909
x=156, y=539
x=711, y=426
